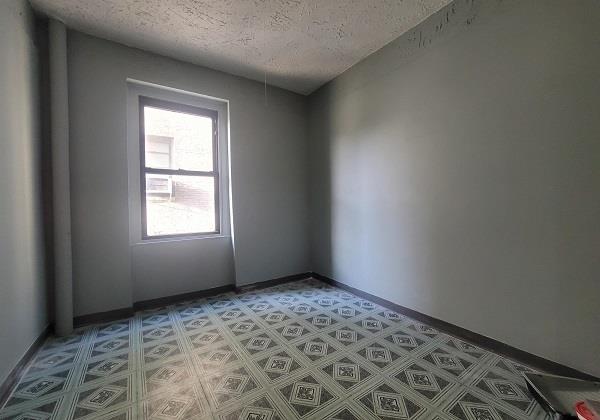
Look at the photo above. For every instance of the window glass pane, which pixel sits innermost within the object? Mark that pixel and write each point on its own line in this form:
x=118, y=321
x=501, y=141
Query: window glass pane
x=176, y=140
x=179, y=204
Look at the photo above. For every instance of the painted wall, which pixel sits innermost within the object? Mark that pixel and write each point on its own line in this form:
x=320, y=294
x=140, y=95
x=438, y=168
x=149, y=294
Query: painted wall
x=23, y=314
x=457, y=172
x=268, y=161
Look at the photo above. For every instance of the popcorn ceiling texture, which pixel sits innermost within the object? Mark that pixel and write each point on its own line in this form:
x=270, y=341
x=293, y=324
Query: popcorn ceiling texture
x=300, y=45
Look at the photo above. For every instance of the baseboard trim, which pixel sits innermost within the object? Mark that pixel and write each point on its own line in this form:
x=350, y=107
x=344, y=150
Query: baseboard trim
x=123, y=313
x=98, y=317
x=482, y=341
x=170, y=300
x=143, y=305
x=273, y=282
x=13, y=377
x=6, y=387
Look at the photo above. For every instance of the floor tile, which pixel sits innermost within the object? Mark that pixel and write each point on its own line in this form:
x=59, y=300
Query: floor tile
x=300, y=350
x=385, y=401
x=306, y=395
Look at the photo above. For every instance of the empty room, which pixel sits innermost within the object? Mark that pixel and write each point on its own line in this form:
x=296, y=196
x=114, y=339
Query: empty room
x=300, y=209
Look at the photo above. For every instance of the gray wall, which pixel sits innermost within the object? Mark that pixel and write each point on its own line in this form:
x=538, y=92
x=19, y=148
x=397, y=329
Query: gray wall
x=268, y=160
x=162, y=268
x=23, y=314
x=167, y=268
x=457, y=172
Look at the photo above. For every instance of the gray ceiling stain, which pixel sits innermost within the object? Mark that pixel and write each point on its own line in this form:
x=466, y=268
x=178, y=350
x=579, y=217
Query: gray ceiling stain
x=298, y=44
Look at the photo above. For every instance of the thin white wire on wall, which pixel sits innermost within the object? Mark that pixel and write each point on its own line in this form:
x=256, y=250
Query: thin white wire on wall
x=266, y=103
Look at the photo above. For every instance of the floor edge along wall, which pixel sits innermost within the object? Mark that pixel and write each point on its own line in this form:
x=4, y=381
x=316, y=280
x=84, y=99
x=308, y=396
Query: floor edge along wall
x=487, y=343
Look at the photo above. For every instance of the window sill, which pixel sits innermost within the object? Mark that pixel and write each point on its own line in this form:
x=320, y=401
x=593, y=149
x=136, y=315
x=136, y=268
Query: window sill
x=179, y=239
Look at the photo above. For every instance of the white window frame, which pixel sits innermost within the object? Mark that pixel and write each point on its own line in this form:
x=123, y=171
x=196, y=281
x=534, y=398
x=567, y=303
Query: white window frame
x=135, y=89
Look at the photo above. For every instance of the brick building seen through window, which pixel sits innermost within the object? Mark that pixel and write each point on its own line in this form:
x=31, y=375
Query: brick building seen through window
x=179, y=169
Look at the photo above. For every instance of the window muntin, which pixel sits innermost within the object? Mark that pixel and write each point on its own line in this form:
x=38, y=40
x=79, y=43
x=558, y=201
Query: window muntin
x=179, y=169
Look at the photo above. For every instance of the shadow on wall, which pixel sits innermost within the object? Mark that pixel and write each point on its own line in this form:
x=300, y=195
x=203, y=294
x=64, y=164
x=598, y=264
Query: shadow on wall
x=41, y=25
x=462, y=183
x=329, y=123
x=320, y=209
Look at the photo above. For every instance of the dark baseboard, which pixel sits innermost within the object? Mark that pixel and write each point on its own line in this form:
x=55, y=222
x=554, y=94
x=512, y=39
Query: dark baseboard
x=487, y=343
x=13, y=377
x=98, y=317
x=170, y=300
x=114, y=315
x=273, y=282
x=123, y=313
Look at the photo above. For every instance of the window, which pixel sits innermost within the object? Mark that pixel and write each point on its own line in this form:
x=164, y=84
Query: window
x=179, y=169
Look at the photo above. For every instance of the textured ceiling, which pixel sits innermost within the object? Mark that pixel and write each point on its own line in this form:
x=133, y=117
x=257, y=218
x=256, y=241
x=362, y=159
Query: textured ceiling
x=299, y=44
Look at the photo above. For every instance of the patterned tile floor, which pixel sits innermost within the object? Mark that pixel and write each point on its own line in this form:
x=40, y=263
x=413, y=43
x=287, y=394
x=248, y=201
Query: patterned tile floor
x=301, y=350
